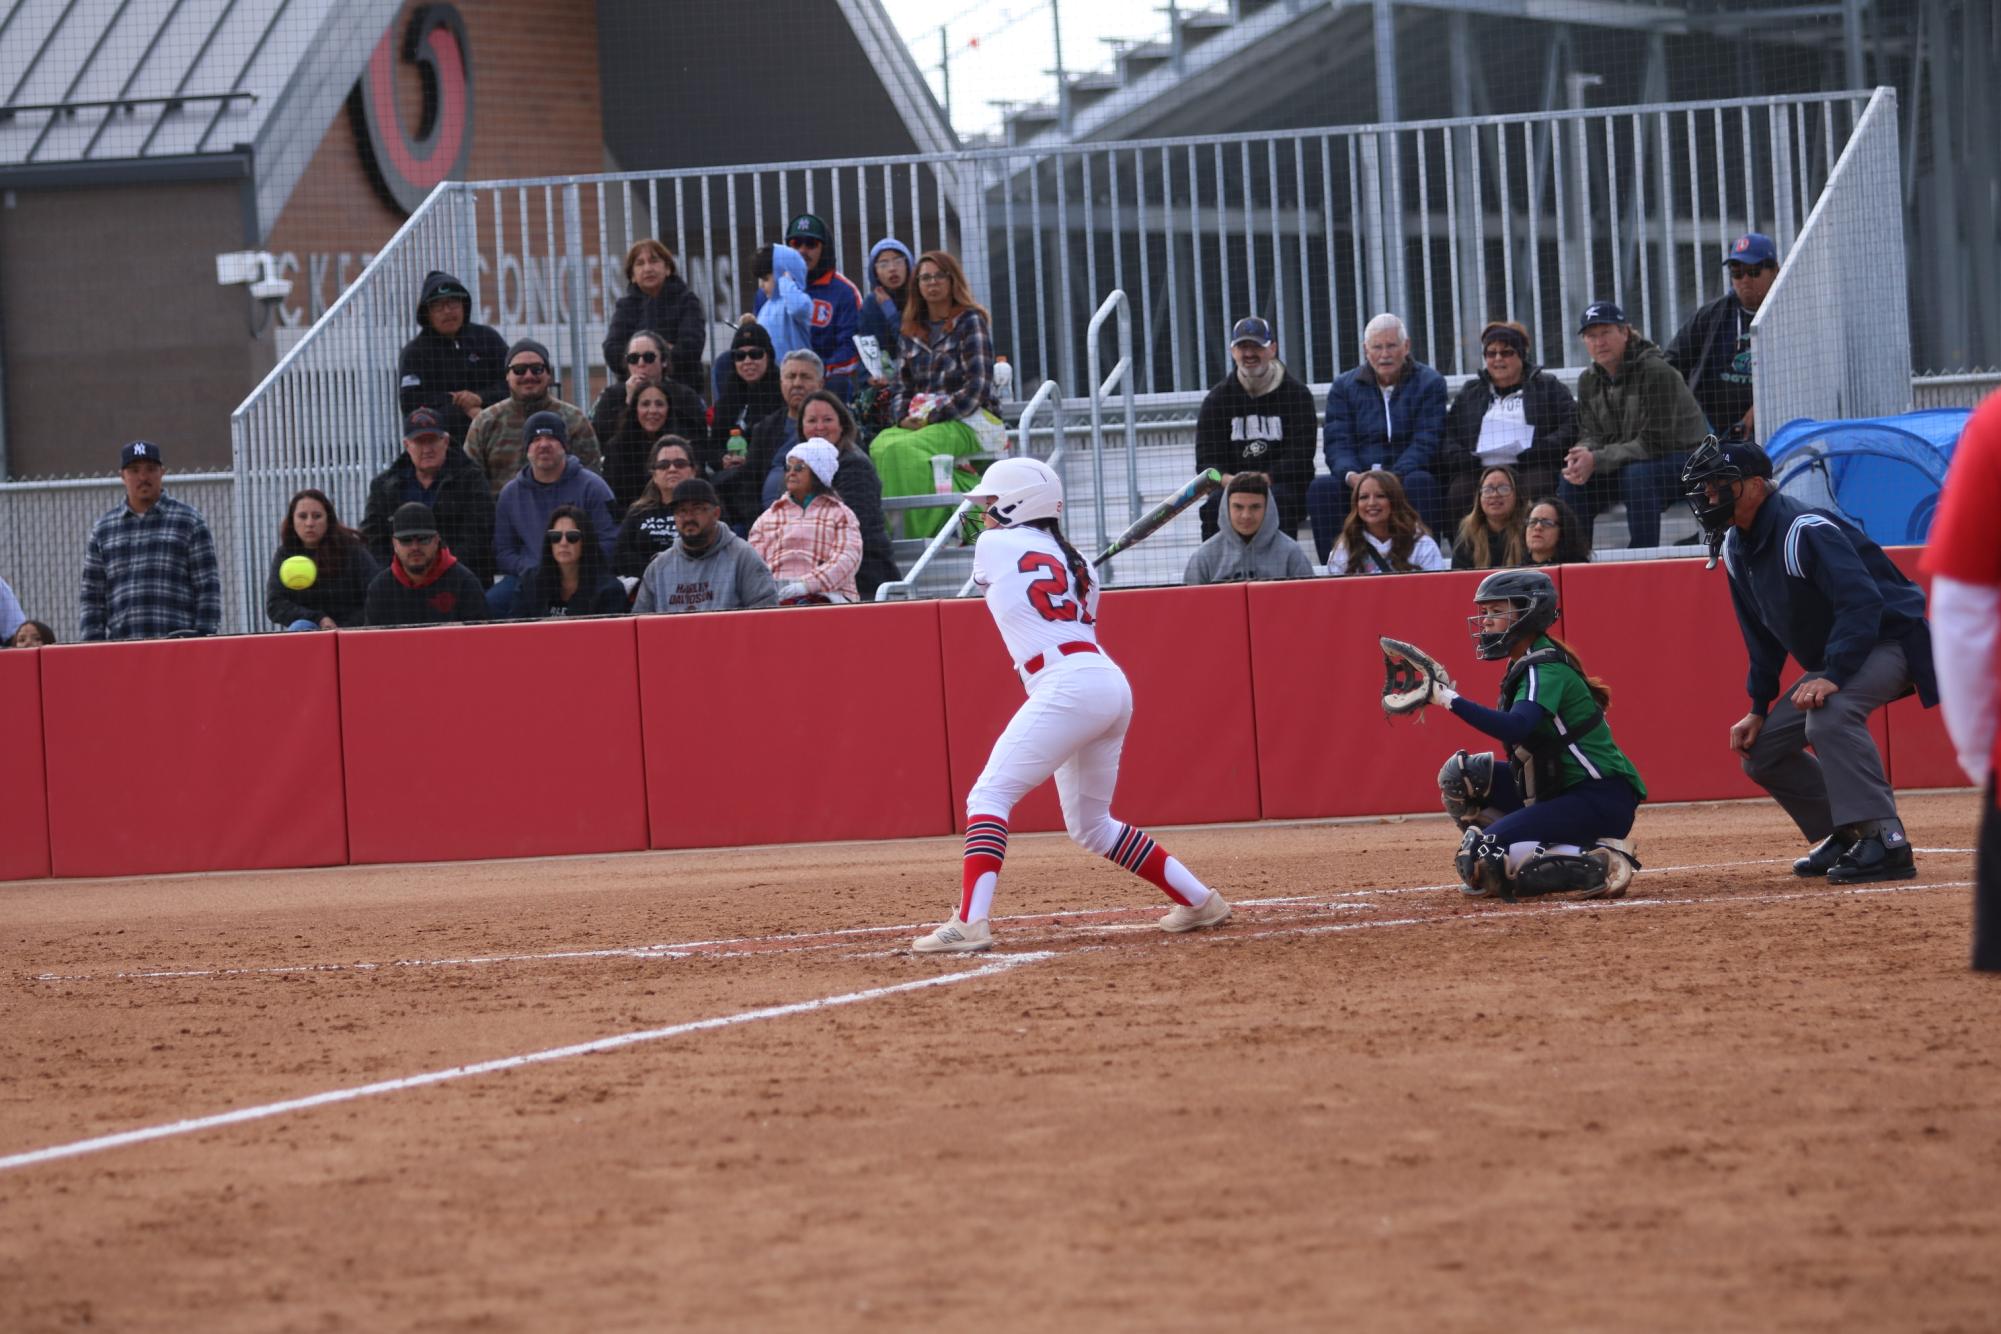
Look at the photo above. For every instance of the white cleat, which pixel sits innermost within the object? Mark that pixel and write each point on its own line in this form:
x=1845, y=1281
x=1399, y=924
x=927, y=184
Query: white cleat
x=1212, y=911
x=956, y=937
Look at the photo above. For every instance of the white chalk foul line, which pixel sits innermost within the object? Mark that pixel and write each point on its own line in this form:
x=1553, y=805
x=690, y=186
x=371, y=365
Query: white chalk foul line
x=991, y=967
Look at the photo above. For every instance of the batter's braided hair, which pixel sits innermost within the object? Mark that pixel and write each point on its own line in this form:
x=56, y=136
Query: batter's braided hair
x=1080, y=569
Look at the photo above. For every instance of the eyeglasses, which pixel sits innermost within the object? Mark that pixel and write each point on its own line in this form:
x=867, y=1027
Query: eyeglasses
x=1746, y=271
x=425, y=540
x=569, y=535
x=641, y=358
x=797, y=467
x=528, y=370
x=1544, y=523
x=801, y=242
x=667, y=465
x=1499, y=489
x=748, y=354
x=1501, y=351
x=933, y=277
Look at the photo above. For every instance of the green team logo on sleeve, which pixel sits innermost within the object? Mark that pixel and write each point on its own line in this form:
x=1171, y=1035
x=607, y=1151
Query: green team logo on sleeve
x=1567, y=703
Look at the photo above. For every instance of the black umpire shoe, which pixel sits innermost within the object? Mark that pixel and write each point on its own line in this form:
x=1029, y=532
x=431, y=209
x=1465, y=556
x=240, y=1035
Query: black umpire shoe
x=1871, y=859
x=1824, y=854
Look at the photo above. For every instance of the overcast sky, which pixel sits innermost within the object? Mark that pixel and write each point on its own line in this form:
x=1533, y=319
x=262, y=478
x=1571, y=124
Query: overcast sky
x=1005, y=50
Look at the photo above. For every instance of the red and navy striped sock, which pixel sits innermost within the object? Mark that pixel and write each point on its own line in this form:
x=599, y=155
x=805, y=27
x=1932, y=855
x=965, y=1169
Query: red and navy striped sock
x=1138, y=853
x=986, y=849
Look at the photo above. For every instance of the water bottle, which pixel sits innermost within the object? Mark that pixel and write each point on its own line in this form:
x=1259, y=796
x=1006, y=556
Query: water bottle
x=735, y=443
x=1003, y=379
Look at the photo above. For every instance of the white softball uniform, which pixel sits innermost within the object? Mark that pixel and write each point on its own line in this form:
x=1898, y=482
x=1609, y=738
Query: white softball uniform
x=1079, y=705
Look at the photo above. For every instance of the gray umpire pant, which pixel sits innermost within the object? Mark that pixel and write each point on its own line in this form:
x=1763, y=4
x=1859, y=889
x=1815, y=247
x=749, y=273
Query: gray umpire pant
x=1842, y=782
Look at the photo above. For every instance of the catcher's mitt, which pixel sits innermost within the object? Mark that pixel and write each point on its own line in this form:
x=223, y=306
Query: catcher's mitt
x=1412, y=678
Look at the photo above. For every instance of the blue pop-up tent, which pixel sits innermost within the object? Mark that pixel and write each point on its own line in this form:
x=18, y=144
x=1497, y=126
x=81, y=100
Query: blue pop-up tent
x=1882, y=473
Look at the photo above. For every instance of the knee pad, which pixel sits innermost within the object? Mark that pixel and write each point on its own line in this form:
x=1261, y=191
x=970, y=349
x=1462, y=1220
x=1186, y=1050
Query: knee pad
x=1482, y=863
x=1465, y=784
x=1560, y=872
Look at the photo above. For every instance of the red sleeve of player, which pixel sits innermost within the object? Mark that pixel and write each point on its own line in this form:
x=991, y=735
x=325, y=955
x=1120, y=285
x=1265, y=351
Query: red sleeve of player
x=1964, y=544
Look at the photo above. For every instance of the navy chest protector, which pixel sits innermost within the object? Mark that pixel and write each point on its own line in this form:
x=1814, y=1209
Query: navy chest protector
x=1538, y=764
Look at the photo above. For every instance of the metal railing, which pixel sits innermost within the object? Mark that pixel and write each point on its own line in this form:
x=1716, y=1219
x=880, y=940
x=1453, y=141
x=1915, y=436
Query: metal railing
x=1102, y=383
x=1832, y=338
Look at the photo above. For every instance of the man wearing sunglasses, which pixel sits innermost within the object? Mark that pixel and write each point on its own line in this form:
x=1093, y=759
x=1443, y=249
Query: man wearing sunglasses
x=1713, y=350
x=424, y=584
x=553, y=477
x=495, y=440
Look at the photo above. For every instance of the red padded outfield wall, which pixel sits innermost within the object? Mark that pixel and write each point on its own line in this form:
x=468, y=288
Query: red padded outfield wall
x=193, y=755
x=24, y=795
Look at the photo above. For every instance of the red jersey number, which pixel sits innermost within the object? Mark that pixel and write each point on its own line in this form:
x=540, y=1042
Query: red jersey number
x=1050, y=595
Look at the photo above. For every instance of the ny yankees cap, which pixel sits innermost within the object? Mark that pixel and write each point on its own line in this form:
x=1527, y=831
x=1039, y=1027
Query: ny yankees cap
x=1601, y=312
x=1752, y=248
x=139, y=451
x=1251, y=329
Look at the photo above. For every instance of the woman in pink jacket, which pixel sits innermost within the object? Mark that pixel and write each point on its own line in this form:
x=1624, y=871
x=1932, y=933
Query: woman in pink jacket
x=809, y=538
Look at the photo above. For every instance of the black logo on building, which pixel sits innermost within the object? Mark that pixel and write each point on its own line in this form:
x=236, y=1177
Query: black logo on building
x=406, y=166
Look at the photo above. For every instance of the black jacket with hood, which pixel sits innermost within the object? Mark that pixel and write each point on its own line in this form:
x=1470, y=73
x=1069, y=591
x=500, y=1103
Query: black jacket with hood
x=675, y=313
x=1546, y=405
x=462, y=505
x=434, y=367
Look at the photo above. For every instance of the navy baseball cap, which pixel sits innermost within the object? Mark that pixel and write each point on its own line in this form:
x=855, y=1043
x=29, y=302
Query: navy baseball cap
x=1748, y=459
x=139, y=451
x=422, y=421
x=545, y=423
x=1601, y=312
x=1752, y=248
x=1251, y=329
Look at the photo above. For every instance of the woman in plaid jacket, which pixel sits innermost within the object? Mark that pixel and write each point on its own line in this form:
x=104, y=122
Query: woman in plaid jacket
x=809, y=539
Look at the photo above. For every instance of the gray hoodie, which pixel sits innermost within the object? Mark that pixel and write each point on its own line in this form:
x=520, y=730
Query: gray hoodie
x=726, y=575
x=1228, y=558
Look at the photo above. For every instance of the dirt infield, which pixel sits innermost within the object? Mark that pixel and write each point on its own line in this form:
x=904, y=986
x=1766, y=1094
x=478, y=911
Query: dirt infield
x=1733, y=1101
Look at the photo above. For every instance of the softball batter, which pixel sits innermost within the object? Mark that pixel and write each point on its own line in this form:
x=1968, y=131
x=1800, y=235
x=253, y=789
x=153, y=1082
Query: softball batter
x=1045, y=603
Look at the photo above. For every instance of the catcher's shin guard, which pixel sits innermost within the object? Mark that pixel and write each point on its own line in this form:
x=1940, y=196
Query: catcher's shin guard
x=1561, y=872
x=1616, y=855
x=1465, y=784
x=1482, y=864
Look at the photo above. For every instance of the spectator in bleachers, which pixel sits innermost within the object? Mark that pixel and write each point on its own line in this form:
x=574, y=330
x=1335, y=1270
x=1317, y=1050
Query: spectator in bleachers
x=657, y=298
x=11, y=614
x=1554, y=535
x=1259, y=418
x=1636, y=424
x=1713, y=350
x=945, y=401
x=630, y=417
x=553, y=477
x=889, y=262
x=709, y=568
x=31, y=634
x=432, y=473
x=453, y=366
x=749, y=488
x=1387, y=414
x=748, y=392
x=425, y=583
x=495, y=441
x=570, y=579
x=837, y=302
x=1493, y=533
x=824, y=417
x=1513, y=413
x=1252, y=546
x=1384, y=534
x=783, y=309
x=808, y=538
x=149, y=568
x=342, y=568
x=648, y=527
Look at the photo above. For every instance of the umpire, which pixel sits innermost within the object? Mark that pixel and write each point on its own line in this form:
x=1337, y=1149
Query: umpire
x=1807, y=582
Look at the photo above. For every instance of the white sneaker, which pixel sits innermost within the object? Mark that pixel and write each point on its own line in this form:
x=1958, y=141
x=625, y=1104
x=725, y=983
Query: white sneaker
x=956, y=937
x=1212, y=911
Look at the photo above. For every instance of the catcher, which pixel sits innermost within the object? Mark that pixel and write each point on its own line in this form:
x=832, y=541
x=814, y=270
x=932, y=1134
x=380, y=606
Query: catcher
x=1557, y=816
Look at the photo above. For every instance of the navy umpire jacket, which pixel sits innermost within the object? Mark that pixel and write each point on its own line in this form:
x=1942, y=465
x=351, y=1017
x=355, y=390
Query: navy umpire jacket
x=1809, y=583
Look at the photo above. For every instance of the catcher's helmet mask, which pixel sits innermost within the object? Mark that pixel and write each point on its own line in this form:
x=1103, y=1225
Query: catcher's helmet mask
x=1708, y=466
x=1531, y=599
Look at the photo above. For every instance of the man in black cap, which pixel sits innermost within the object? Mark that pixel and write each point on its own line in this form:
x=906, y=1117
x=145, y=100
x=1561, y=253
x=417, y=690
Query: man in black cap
x=149, y=568
x=430, y=472
x=1258, y=418
x=710, y=568
x=425, y=584
x=453, y=366
x=495, y=441
x=837, y=302
x=1636, y=423
x=1713, y=350
x=1807, y=582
